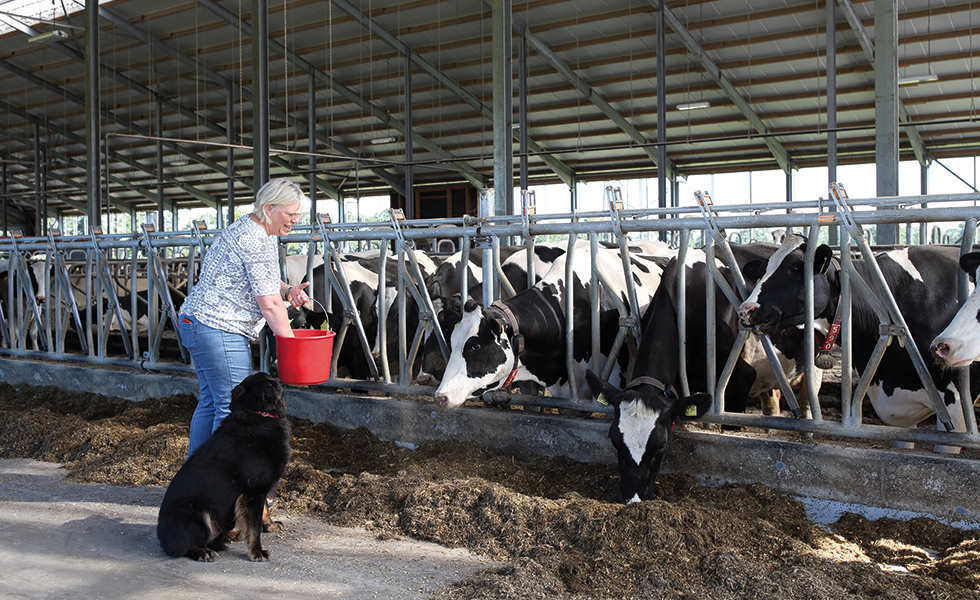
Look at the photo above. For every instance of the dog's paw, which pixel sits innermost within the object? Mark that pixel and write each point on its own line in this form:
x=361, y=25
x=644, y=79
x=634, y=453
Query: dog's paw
x=273, y=526
x=235, y=535
x=260, y=556
x=202, y=554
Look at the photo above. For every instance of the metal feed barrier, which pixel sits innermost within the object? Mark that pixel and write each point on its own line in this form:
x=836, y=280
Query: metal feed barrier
x=82, y=269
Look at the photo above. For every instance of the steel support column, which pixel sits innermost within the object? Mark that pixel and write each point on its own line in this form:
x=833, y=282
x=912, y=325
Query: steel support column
x=311, y=120
x=260, y=99
x=38, y=205
x=503, y=111
x=886, y=109
x=662, y=115
x=409, y=141
x=831, y=104
x=522, y=93
x=93, y=138
x=160, y=133
x=229, y=158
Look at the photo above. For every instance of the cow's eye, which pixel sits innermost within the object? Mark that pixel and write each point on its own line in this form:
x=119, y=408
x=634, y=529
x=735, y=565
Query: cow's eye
x=475, y=348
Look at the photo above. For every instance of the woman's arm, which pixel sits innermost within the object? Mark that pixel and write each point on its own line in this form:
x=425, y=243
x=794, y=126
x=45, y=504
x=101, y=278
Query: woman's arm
x=274, y=311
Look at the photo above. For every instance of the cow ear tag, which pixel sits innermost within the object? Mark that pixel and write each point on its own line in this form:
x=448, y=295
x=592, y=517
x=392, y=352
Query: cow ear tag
x=691, y=411
x=602, y=399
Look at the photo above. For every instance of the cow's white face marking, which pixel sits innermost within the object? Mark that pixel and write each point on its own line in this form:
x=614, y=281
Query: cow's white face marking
x=462, y=379
x=791, y=243
x=636, y=423
x=901, y=257
x=962, y=336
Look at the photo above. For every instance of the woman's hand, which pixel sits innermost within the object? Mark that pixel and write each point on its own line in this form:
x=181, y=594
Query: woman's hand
x=295, y=296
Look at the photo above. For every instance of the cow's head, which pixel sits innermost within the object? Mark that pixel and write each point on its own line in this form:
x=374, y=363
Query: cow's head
x=778, y=300
x=642, y=429
x=481, y=357
x=959, y=344
x=448, y=315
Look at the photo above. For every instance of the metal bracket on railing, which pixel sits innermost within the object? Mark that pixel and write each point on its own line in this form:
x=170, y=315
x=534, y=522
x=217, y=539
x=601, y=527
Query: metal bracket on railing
x=157, y=277
x=528, y=209
x=735, y=298
x=897, y=326
x=18, y=259
x=197, y=229
x=107, y=283
x=337, y=277
x=615, y=206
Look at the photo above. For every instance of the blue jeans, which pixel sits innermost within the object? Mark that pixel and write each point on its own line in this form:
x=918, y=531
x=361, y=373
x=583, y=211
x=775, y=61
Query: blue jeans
x=222, y=361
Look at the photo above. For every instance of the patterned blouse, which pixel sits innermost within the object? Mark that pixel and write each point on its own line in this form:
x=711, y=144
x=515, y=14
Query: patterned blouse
x=241, y=264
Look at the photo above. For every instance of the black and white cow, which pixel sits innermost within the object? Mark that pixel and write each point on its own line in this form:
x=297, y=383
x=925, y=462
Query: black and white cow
x=449, y=308
x=923, y=282
x=522, y=339
x=647, y=408
x=959, y=344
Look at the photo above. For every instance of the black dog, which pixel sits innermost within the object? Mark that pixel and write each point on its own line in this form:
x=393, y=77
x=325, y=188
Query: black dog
x=220, y=492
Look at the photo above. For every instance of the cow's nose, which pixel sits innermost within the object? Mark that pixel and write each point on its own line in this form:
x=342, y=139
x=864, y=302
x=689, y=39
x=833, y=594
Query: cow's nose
x=442, y=400
x=746, y=311
x=425, y=379
x=940, y=348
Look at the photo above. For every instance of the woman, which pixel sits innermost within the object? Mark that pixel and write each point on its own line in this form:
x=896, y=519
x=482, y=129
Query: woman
x=239, y=289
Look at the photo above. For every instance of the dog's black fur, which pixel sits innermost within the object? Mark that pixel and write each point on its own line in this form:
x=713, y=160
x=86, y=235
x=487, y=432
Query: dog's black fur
x=223, y=486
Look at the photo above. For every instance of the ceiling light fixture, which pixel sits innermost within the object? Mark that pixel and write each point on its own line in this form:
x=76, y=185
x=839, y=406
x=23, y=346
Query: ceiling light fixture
x=693, y=105
x=179, y=163
x=383, y=140
x=55, y=35
x=917, y=79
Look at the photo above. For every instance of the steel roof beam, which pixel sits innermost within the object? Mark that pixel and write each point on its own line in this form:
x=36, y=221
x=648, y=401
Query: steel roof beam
x=221, y=80
x=467, y=171
x=918, y=146
x=590, y=94
x=561, y=169
x=202, y=196
x=777, y=149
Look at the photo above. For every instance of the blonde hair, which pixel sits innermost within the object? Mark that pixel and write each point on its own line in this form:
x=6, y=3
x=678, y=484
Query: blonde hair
x=278, y=192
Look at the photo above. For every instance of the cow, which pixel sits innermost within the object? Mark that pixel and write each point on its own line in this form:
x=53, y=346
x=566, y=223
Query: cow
x=523, y=338
x=449, y=308
x=959, y=344
x=922, y=280
x=646, y=409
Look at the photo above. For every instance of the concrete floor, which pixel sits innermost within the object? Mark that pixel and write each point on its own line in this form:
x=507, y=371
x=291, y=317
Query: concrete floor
x=81, y=541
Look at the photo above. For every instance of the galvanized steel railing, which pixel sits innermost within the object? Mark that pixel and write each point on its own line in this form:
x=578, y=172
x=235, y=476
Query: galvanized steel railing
x=112, y=262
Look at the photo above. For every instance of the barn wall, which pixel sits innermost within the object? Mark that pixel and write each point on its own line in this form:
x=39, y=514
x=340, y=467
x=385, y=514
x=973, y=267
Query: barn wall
x=946, y=487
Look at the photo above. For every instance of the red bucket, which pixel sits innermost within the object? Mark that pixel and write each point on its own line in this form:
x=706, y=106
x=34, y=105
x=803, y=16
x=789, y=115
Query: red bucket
x=305, y=359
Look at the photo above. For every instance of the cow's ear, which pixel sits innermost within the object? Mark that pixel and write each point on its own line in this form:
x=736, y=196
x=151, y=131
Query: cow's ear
x=602, y=390
x=692, y=407
x=822, y=258
x=969, y=263
x=754, y=270
x=470, y=305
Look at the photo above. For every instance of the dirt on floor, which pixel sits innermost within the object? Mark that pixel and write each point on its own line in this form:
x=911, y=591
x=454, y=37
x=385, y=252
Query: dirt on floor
x=549, y=519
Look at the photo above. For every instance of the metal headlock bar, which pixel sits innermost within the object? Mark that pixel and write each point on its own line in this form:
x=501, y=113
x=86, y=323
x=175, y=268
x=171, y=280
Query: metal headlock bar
x=338, y=279
x=63, y=296
x=892, y=322
x=717, y=238
x=415, y=283
x=18, y=260
x=108, y=284
x=157, y=283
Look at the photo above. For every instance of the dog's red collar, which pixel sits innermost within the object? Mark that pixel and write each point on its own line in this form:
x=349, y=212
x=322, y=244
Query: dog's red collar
x=264, y=414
